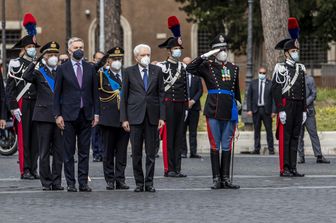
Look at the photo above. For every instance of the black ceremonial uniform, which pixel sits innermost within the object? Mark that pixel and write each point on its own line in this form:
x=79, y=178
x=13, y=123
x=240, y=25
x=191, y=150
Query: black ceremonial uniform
x=293, y=102
x=50, y=140
x=26, y=128
x=221, y=110
x=176, y=98
x=114, y=137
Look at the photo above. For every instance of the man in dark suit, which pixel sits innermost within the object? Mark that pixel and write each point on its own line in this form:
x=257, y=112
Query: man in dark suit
x=76, y=109
x=49, y=140
x=194, y=107
x=114, y=137
x=142, y=112
x=260, y=105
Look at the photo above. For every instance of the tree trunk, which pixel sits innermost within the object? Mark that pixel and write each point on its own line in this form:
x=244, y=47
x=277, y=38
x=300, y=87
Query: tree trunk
x=274, y=15
x=112, y=24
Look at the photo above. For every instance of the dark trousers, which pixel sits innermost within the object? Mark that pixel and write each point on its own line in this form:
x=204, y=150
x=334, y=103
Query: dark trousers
x=97, y=144
x=79, y=129
x=292, y=128
x=140, y=133
x=310, y=125
x=115, y=142
x=175, y=113
x=30, y=137
x=192, y=123
x=266, y=119
x=50, y=142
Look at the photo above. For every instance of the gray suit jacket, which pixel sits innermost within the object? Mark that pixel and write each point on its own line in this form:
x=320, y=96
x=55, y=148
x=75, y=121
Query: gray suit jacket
x=310, y=94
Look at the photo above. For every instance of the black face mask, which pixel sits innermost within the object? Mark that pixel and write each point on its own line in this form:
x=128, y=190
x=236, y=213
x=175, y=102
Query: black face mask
x=78, y=54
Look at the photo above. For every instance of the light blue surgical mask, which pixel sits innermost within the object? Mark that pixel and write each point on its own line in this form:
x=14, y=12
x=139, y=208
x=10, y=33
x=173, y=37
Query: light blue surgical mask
x=177, y=53
x=262, y=76
x=31, y=52
x=295, y=56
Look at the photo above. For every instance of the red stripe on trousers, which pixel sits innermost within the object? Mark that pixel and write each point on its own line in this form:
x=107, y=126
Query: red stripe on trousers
x=163, y=135
x=281, y=140
x=211, y=138
x=19, y=132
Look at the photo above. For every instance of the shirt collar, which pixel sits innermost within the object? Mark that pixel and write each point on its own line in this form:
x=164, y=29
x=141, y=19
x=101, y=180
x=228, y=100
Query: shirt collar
x=74, y=62
x=141, y=68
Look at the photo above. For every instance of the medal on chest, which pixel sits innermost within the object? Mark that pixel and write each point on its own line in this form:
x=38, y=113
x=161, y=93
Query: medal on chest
x=225, y=72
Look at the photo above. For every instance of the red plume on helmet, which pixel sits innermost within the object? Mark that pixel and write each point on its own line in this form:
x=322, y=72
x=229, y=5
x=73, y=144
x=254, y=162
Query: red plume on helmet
x=29, y=22
x=174, y=26
x=293, y=28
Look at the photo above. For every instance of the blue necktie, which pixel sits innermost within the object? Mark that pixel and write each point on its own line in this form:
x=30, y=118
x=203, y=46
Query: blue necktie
x=145, y=78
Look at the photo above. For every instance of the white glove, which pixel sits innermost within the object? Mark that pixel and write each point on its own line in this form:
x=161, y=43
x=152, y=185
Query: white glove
x=17, y=114
x=239, y=106
x=304, y=117
x=210, y=53
x=282, y=116
x=186, y=115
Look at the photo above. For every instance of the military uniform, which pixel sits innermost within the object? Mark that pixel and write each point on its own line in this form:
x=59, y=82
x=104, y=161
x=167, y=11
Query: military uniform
x=221, y=111
x=114, y=138
x=289, y=92
x=21, y=96
x=176, y=101
x=50, y=140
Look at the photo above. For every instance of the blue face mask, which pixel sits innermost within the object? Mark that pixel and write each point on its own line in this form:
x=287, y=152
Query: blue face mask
x=295, y=56
x=31, y=52
x=176, y=53
x=262, y=76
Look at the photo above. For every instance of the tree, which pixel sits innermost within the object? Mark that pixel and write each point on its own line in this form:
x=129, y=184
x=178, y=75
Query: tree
x=274, y=14
x=112, y=26
x=225, y=16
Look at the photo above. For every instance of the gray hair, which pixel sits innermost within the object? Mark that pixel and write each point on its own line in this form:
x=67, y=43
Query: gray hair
x=136, y=50
x=74, y=39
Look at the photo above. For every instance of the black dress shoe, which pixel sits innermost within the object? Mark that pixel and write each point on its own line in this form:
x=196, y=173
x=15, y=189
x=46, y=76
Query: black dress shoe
x=271, y=152
x=121, y=186
x=170, y=174
x=84, y=188
x=322, y=159
x=227, y=184
x=296, y=174
x=255, y=152
x=195, y=156
x=301, y=160
x=46, y=188
x=71, y=188
x=27, y=175
x=157, y=156
x=36, y=176
x=150, y=189
x=110, y=185
x=57, y=187
x=96, y=159
x=139, y=189
x=183, y=155
x=286, y=173
x=216, y=183
x=180, y=175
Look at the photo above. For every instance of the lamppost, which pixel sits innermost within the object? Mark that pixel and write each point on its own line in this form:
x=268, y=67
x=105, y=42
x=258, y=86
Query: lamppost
x=68, y=20
x=249, y=74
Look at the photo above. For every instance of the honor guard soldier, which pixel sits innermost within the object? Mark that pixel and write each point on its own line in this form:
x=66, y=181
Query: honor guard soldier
x=21, y=97
x=221, y=106
x=114, y=137
x=176, y=99
x=50, y=140
x=289, y=92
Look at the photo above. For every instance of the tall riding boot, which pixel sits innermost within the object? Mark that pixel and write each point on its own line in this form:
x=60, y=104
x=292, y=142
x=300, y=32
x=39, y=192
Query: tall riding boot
x=214, y=154
x=293, y=161
x=226, y=161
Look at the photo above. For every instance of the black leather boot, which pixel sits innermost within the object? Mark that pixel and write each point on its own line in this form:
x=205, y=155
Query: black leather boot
x=214, y=155
x=225, y=171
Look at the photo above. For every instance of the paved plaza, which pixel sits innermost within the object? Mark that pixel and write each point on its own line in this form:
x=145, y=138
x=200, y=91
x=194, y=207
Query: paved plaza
x=263, y=197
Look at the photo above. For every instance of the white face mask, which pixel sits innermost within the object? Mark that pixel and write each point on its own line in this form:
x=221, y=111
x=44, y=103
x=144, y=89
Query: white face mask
x=176, y=53
x=52, y=61
x=221, y=56
x=145, y=61
x=116, y=64
x=31, y=52
x=262, y=76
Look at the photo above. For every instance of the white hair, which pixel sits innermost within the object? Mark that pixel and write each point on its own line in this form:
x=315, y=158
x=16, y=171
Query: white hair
x=74, y=39
x=137, y=49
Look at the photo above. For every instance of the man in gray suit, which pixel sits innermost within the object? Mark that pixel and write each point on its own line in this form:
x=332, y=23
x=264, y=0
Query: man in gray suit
x=310, y=124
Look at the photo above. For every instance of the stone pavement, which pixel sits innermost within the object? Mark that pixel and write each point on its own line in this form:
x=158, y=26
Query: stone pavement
x=263, y=197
